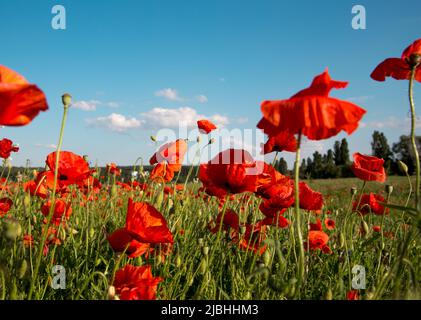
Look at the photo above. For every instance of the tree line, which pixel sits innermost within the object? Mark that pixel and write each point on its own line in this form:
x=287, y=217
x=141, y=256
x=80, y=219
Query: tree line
x=336, y=163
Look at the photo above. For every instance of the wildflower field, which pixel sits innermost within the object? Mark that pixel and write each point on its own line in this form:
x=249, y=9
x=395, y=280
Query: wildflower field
x=235, y=228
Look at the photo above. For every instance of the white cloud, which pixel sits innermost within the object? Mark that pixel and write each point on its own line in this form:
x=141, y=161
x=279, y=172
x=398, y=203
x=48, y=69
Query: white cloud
x=91, y=105
x=86, y=105
x=202, y=98
x=47, y=146
x=390, y=123
x=115, y=122
x=168, y=93
x=184, y=117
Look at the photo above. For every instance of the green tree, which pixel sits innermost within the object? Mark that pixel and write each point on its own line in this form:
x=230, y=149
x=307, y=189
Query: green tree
x=402, y=150
x=337, y=153
x=381, y=149
x=331, y=170
x=344, y=152
x=317, y=171
x=282, y=166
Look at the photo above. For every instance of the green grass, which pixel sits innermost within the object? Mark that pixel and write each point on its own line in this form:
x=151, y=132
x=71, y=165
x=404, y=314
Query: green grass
x=225, y=271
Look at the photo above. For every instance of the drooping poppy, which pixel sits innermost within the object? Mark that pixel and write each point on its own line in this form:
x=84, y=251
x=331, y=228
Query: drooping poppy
x=309, y=199
x=230, y=221
x=6, y=148
x=400, y=68
x=20, y=101
x=371, y=203
x=316, y=226
x=368, y=168
x=145, y=226
x=5, y=205
x=283, y=141
x=315, y=114
x=136, y=283
x=205, y=126
x=253, y=238
x=231, y=171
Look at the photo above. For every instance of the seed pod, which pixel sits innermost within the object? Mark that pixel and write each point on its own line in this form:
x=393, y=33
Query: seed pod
x=91, y=233
x=267, y=258
x=13, y=229
x=389, y=189
x=153, y=138
x=403, y=167
x=365, y=227
x=329, y=294
x=353, y=191
x=178, y=261
x=200, y=241
x=66, y=99
x=22, y=269
x=111, y=293
x=113, y=191
x=27, y=202
x=205, y=250
x=159, y=199
x=203, y=266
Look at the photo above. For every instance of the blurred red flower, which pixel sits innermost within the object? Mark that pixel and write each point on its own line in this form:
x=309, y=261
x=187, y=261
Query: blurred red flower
x=168, y=160
x=370, y=203
x=317, y=240
x=368, y=168
x=6, y=148
x=5, y=205
x=352, y=295
x=136, y=283
x=61, y=209
x=20, y=101
x=205, y=126
x=316, y=226
x=400, y=68
x=314, y=113
x=112, y=169
x=230, y=221
x=330, y=224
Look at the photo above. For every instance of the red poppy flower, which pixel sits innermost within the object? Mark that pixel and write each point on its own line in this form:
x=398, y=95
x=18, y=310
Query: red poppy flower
x=231, y=221
x=278, y=221
x=370, y=203
x=136, y=283
x=253, y=239
x=352, y=295
x=205, y=126
x=368, y=168
x=330, y=224
x=315, y=114
x=316, y=226
x=5, y=205
x=309, y=199
x=168, y=160
x=20, y=101
x=377, y=228
x=268, y=178
x=400, y=68
x=61, y=209
x=72, y=168
x=6, y=148
x=231, y=171
x=35, y=189
x=144, y=226
x=318, y=240
x=112, y=169
x=283, y=141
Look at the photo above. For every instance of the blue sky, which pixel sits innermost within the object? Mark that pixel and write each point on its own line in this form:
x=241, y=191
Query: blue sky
x=139, y=66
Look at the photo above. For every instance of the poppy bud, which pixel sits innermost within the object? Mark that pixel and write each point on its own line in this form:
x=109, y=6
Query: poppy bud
x=243, y=230
x=198, y=139
x=205, y=250
x=66, y=99
x=353, y=191
x=178, y=261
x=27, y=202
x=389, y=189
x=113, y=190
x=22, y=269
x=111, y=293
x=365, y=227
x=203, y=266
x=85, y=157
x=403, y=167
x=91, y=232
x=211, y=141
x=62, y=234
x=414, y=60
x=329, y=294
x=248, y=295
x=267, y=257
x=159, y=199
x=200, y=241
x=13, y=229
x=341, y=240
x=153, y=138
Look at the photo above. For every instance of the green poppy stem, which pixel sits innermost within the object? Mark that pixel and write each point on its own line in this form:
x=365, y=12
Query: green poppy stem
x=301, y=262
x=413, y=141
x=66, y=104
